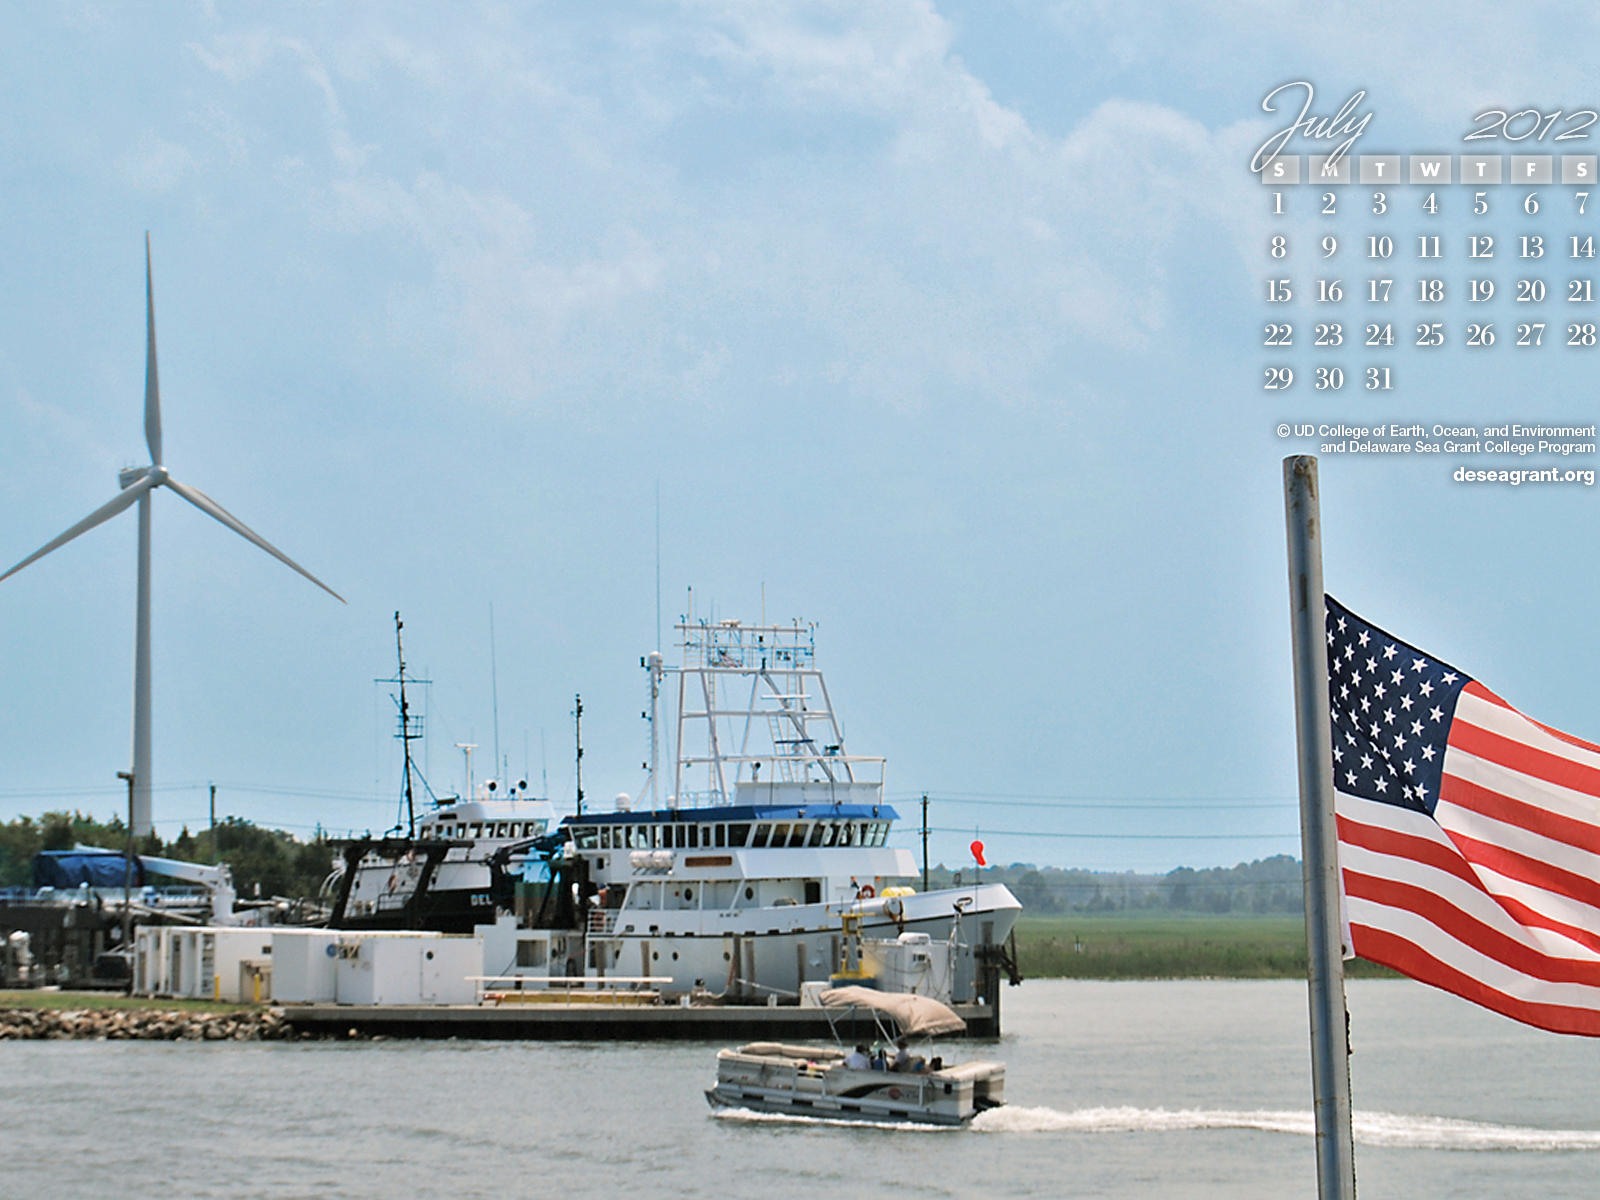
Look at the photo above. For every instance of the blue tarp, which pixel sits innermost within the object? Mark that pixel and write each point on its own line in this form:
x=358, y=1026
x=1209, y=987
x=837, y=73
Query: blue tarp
x=74, y=868
x=536, y=870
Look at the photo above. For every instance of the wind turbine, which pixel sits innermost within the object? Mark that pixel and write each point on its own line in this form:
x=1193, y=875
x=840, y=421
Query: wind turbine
x=137, y=484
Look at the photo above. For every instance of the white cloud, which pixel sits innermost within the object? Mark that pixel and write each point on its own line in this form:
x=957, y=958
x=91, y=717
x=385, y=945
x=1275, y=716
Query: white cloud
x=237, y=57
x=767, y=178
x=154, y=164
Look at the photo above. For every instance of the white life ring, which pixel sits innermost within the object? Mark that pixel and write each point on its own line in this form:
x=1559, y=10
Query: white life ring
x=867, y=892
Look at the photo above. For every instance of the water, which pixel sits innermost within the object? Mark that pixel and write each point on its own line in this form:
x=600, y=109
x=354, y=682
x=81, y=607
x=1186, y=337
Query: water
x=1183, y=1089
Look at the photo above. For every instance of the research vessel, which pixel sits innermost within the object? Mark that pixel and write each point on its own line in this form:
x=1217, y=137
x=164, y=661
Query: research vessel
x=736, y=874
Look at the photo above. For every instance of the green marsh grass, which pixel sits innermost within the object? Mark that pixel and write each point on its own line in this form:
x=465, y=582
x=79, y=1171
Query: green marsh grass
x=1167, y=946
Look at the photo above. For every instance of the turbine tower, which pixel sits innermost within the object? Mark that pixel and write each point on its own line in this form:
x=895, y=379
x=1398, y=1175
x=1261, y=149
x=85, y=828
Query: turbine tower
x=137, y=484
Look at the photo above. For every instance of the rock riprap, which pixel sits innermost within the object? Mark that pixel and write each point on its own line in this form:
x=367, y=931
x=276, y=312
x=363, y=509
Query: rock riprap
x=254, y=1025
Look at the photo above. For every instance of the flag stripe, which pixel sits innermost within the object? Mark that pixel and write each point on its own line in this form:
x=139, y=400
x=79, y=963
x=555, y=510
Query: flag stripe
x=1395, y=951
x=1385, y=839
x=1540, y=763
x=1544, y=911
x=1419, y=869
x=1422, y=861
x=1493, y=790
x=1447, y=948
x=1520, y=855
x=1479, y=692
x=1475, y=927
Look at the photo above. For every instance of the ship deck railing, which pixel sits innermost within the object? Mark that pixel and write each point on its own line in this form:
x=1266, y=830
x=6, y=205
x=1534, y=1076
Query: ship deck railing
x=569, y=989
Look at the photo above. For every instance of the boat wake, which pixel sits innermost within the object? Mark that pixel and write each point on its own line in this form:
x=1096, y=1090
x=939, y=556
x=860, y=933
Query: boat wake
x=1371, y=1128
x=746, y=1115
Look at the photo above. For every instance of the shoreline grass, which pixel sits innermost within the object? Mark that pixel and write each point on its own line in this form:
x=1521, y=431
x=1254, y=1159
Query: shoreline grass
x=53, y=998
x=1167, y=946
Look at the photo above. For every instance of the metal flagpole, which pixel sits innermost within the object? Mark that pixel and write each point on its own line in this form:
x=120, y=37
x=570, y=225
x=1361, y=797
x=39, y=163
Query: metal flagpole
x=1330, y=1046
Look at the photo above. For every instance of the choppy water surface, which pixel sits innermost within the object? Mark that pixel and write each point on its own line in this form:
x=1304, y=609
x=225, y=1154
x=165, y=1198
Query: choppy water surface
x=1188, y=1089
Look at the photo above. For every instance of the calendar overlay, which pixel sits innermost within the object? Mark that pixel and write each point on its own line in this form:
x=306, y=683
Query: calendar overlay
x=1406, y=277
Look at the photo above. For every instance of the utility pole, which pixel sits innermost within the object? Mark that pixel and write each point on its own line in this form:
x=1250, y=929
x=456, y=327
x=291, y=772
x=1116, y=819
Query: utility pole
x=924, y=841
x=127, y=883
x=213, y=817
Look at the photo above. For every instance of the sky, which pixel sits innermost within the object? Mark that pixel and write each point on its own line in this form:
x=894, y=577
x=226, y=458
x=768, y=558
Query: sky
x=938, y=325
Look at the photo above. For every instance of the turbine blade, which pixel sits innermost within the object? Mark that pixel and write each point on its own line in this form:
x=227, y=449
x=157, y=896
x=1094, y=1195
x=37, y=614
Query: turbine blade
x=210, y=507
x=104, y=513
x=152, y=381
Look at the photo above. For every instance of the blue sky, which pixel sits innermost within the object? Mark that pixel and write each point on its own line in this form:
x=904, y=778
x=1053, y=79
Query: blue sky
x=938, y=325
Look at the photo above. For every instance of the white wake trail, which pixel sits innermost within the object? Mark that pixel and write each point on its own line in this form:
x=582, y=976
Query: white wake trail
x=1371, y=1128
x=750, y=1116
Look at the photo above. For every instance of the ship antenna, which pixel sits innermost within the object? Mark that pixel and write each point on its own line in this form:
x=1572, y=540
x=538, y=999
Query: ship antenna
x=406, y=736
x=577, y=733
x=658, y=563
x=494, y=693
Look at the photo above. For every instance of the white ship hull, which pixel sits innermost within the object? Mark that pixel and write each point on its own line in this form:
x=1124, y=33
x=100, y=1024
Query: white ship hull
x=753, y=954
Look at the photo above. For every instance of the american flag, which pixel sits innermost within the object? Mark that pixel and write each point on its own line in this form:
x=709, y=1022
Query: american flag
x=1469, y=834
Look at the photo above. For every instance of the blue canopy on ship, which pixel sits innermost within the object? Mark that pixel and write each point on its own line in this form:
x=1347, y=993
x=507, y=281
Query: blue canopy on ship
x=74, y=868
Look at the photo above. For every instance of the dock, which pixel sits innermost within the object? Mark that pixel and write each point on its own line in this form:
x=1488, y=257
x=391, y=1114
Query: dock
x=588, y=1021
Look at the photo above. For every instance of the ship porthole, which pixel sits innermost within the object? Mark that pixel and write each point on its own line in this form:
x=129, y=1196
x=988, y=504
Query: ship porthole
x=749, y=893
x=674, y=956
x=688, y=893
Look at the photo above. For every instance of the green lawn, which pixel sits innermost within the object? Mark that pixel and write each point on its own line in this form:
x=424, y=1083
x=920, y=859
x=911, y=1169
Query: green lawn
x=1166, y=946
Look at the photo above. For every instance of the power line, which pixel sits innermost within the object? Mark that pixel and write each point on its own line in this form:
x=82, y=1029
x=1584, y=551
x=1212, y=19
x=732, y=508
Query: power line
x=171, y=788
x=1124, y=837
x=1189, y=804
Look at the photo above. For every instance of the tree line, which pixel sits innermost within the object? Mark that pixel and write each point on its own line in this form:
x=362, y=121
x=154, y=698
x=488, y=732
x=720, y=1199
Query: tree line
x=279, y=864
x=265, y=862
x=1268, y=885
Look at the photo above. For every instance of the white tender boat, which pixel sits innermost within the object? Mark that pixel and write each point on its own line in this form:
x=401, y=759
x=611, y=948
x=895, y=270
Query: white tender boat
x=822, y=1082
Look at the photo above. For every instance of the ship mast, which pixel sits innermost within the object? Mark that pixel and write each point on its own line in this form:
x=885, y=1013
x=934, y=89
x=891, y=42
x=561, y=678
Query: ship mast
x=406, y=734
x=577, y=737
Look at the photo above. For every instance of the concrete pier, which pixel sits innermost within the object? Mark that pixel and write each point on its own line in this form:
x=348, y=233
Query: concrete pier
x=580, y=1021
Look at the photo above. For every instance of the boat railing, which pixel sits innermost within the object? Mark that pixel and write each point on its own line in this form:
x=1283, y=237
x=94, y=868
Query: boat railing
x=569, y=989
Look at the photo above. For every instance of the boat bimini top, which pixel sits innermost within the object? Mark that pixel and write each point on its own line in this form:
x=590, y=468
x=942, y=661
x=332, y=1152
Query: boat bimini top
x=917, y=1016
